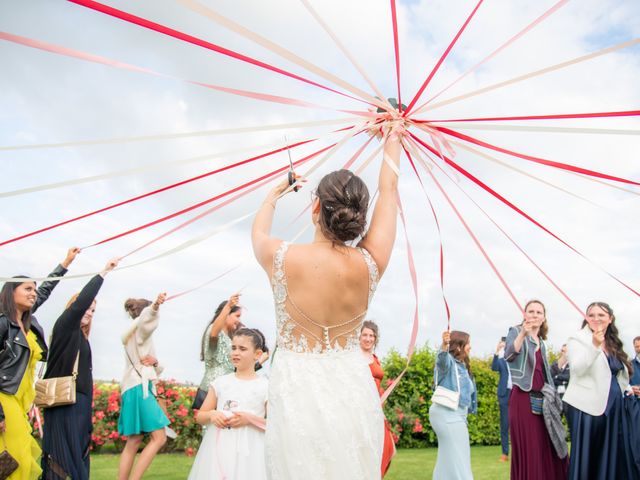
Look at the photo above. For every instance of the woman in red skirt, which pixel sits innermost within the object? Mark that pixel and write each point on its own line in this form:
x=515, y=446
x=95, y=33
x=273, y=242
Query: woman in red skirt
x=533, y=455
x=368, y=342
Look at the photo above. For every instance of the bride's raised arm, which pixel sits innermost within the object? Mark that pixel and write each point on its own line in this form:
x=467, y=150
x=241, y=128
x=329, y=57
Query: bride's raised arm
x=382, y=232
x=264, y=245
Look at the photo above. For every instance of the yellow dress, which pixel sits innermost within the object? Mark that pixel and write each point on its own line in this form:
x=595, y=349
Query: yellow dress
x=17, y=438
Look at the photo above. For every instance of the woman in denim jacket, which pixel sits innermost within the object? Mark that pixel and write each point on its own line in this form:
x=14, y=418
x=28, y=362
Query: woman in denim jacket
x=453, y=372
x=533, y=455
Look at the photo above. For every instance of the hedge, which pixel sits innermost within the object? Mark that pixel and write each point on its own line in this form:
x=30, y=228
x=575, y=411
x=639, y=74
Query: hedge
x=407, y=409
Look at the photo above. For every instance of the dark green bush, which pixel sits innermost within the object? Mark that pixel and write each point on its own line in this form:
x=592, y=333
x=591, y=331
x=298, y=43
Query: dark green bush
x=407, y=409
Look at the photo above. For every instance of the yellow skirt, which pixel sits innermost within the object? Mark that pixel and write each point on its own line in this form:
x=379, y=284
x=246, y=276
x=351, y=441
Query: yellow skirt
x=17, y=438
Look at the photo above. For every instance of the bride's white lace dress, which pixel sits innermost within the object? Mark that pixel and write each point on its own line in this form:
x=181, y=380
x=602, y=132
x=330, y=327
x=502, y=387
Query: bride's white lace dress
x=324, y=419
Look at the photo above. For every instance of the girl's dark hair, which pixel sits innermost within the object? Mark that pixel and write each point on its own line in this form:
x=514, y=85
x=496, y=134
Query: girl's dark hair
x=457, y=342
x=373, y=326
x=134, y=306
x=256, y=336
x=344, y=200
x=611, y=338
x=215, y=315
x=8, y=305
x=544, y=326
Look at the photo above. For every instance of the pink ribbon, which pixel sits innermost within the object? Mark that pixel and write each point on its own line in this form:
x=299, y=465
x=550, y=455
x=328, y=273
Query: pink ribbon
x=416, y=323
x=435, y=217
x=521, y=33
x=127, y=17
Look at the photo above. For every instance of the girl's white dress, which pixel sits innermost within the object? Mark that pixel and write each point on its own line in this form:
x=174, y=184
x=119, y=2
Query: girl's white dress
x=237, y=453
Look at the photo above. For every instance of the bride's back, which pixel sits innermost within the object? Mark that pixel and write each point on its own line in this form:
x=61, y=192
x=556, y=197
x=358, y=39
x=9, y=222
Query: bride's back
x=327, y=291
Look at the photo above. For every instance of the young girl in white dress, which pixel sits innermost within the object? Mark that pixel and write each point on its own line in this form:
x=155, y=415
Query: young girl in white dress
x=234, y=412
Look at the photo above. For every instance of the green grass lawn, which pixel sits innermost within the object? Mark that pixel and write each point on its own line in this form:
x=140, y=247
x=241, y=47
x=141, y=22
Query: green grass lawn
x=407, y=465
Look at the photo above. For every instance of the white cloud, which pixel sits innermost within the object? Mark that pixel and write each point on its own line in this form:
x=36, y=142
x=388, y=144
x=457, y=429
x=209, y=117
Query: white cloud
x=49, y=98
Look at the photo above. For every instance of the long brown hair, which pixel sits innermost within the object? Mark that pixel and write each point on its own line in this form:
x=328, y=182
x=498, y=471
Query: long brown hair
x=215, y=315
x=457, y=341
x=8, y=304
x=611, y=337
x=544, y=327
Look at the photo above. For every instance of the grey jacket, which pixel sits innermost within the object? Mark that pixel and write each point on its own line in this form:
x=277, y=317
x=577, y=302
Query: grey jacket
x=522, y=363
x=552, y=413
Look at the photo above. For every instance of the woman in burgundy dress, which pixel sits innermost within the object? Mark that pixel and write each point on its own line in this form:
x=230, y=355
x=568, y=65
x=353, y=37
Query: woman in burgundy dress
x=368, y=342
x=534, y=457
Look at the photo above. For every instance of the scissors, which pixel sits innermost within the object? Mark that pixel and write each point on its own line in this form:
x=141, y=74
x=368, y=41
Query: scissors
x=291, y=176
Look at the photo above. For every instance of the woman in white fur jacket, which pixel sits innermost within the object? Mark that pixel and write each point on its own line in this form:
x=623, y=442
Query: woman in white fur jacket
x=600, y=444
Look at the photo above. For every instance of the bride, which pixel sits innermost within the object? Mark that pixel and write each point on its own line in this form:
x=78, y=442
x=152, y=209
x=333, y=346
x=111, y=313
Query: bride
x=324, y=415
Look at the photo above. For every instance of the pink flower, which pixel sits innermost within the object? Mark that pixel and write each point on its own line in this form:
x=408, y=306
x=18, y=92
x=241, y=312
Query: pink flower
x=182, y=411
x=99, y=414
x=189, y=452
x=417, y=428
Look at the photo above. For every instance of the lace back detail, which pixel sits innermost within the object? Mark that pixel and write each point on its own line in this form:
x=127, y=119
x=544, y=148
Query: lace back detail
x=294, y=336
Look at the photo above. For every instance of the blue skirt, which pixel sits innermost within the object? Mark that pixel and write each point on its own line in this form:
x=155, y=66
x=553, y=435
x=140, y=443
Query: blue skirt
x=454, y=451
x=140, y=415
x=605, y=447
x=67, y=438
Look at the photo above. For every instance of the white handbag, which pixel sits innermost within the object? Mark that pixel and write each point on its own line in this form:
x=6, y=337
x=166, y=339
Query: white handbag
x=445, y=397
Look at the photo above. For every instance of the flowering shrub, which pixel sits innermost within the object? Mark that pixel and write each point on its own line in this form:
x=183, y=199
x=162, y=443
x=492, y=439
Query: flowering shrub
x=106, y=410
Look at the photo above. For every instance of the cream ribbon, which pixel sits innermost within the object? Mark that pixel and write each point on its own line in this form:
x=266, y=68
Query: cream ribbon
x=536, y=73
x=197, y=7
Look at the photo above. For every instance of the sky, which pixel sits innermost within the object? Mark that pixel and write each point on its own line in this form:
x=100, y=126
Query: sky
x=47, y=98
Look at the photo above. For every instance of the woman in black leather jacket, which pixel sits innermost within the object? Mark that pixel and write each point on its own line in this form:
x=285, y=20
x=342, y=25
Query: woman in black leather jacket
x=22, y=344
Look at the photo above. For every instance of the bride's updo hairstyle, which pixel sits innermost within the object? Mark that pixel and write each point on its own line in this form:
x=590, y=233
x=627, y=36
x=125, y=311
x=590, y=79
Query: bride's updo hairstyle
x=344, y=200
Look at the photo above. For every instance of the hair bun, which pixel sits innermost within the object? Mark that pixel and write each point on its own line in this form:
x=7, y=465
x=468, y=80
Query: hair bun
x=347, y=223
x=344, y=199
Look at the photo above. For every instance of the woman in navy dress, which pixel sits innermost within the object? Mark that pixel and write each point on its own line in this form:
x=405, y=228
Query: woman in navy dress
x=603, y=414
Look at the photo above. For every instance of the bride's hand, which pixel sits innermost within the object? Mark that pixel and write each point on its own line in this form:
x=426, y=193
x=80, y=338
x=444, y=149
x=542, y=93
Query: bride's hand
x=283, y=188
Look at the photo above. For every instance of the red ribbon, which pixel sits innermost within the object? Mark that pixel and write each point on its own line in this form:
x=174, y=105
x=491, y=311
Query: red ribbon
x=207, y=201
x=59, y=50
x=153, y=192
x=488, y=189
x=127, y=17
x=396, y=45
x=515, y=244
x=561, y=116
x=518, y=35
x=475, y=239
x=441, y=60
x=435, y=217
x=550, y=163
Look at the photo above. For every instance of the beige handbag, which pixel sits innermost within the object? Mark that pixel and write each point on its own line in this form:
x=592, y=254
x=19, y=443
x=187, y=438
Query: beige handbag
x=57, y=391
